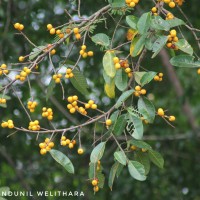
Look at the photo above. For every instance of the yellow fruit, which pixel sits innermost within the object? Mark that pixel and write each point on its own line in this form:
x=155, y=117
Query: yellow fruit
x=63, y=143
x=52, y=31
x=172, y=4
x=137, y=88
x=144, y=150
x=173, y=33
x=42, y=145
x=71, y=145
x=16, y=25
x=172, y=118
x=90, y=53
x=94, y=106
x=143, y=91
x=154, y=9
x=43, y=151
x=80, y=151
x=132, y=4
x=21, y=58
x=133, y=147
x=21, y=27
x=161, y=112
x=167, y=1
x=76, y=30
x=83, y=47
x=72, y=110
x=49, y=26
x=108, y=122
x=198, y=71
x=94, y=182
x=67, y=141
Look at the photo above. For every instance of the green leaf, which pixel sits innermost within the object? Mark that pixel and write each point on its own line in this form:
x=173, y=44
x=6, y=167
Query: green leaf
x=50, y=89
x=138, y=76
x=101, y=39
x=108, y=64
x=92, y=170
x=147, y=109
x=184, y=61
x=121, y=80
x=136, y=170
x=36, y=51
x=144, y=22
x=132, y=21
x=107, y=78
x=143, y=158
x=119, y=170
x=184, y=46
x=139, y=45
x=140, y=144
x=123, y=97
x=118, y=3
x=120, y=125
x=101, y=179
x=112, y=174
x=138, y=126
x=175, y=22
x=147, y=77
x=63, y=160
x=158, y=23
x=158, y=45
x=133, y=45
x=110, y=89
x=114, y=116
x=79, y=82
x=120, y=157
x=97, y=152
x=156, y=158
x=5, y=96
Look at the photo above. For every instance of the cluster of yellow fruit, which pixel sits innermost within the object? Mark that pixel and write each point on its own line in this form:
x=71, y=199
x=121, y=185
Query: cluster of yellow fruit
x=46, y=146
x=161, y=113
x=8, y=124
x=19, y=26
x=154, y=11
x=31, y=105
x=67, y=142
x=139, y=91
x=48, y=113
x=169, y=16
x=85, y=54
x=77, y=34
x=95, y=184
x=69, y=73
x=51, y=29
x=23, y=74
x=131, y=3
x=91, y=105
x=171, y=3
x=34, y=125
x=129, y=72
x=60, y=33
x=158, y=77
x=172, y=38
x=116, y=63
x=73, y=105
x=57, y=77
x=134, y=148
x=2, y=101
x=3, y=69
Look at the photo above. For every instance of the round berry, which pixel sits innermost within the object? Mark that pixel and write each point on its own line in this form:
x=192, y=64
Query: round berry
x=108, y=122
x=161, y=112
x=80, y=151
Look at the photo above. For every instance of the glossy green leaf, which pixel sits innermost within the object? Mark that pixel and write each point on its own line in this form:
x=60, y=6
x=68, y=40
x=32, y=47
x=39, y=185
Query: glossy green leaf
x=63, y=160
x=123, y=97
x=50, y=89
x=121, y=80
x=108, y=63
x=120, y=125
x=97, y=152
x=132, y=21
x=175, y=22
x=158, y=45
x=79, y=82
x=120, y=157
x=136, y=170
x=114, y=116
x=101, y=179
x=158, y=23
x=139, y=45
x=112, y=174
x=138, y=126
x=144, y=22
x=184, y=61
x=92, y=170
x=101, y=39
x=156, y=158
x=118, y=3
x=184, y=46
x=138, y=76
x=147, y=78
x=147, y=109
x=140, y=144
x=36, y=51
x=143, y=158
